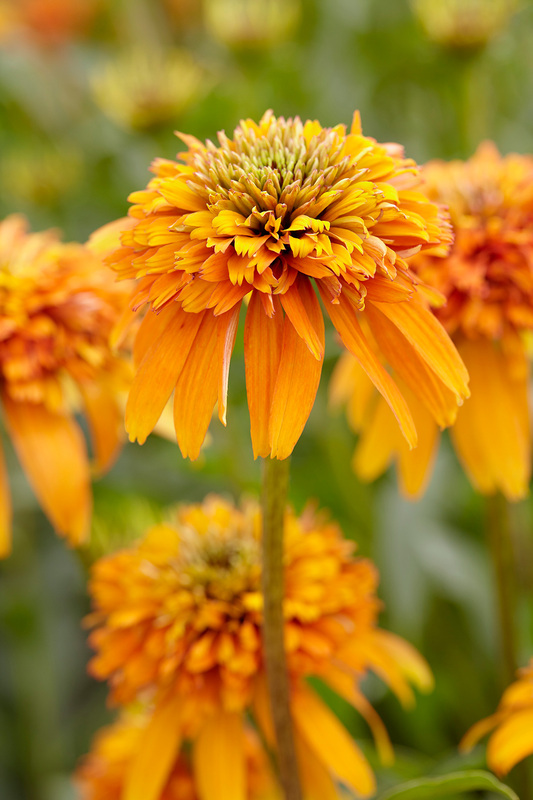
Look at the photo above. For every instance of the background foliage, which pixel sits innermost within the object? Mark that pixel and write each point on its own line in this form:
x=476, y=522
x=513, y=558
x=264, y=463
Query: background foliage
x=71, y=149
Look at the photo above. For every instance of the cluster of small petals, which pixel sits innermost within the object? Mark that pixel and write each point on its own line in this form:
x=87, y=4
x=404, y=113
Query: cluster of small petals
x=178, y=621
x=487, y=278
x=58, y=307
x=512, y=739
x=280, y=215
x=184, y=607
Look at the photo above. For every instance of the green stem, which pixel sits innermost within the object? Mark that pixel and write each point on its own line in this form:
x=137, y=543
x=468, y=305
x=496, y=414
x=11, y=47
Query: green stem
x=275, y=486
x=500, y=544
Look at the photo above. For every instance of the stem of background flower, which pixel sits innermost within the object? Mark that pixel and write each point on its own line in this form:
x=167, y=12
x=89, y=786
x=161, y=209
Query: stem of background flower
x=275, y=486
x=500, y=540
x=498, y=529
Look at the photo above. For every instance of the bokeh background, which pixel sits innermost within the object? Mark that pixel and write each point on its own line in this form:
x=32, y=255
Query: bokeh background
x=90, y=92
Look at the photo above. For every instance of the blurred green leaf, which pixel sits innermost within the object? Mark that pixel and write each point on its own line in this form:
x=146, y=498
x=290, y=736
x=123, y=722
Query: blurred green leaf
x=455, y=782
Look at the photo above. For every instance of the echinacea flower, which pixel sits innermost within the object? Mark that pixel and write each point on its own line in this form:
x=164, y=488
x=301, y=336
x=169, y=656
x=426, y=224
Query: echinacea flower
x=58, y=307
x=512, y=740
x=464, y=23
x=101, y=774
x=266, y=219
x=178, y=622
x=252, y=24
x=487, y=280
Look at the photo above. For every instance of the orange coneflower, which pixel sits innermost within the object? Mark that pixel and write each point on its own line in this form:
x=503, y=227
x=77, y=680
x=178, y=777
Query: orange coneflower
x=513, y=738
x=57, y=309
x=487, y=280
x=178, y=622
x=102, y=773
x=281, y=210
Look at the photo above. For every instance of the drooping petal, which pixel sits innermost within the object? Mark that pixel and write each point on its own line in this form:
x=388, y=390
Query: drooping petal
x=478, y=731
x=105, y=421
x=511, y=742
x=157, y=752
x=226, y=332
x=378, y=443
x=351, y=385
x=151, y=328
x=343, y=316
x=412, y=368
x=421, y=328
x=413, y=665
x=262, y=350
x=52, y=451
x=219, y=758
x=5, y=509
x=158, y=373
x=196, y=390
x=491, y=433
x=296, y=301
x=317, y=783
x=296, y=385
x=331, y=743
x=415, y=466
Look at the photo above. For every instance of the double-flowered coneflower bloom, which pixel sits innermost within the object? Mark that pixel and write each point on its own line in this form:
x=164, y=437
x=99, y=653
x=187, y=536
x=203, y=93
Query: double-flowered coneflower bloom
x=487, y=280
x=102, y=773
x=178, y=622
x=271, y=220
x=513, y=720
x=58, y=306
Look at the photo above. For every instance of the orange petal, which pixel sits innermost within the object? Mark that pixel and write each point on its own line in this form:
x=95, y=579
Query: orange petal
x=159, y=372
x=52, y=451
x=317, y=784
x=425, y=333
x=491, y=433
x=296, y=302
x=511, y=742
x=262, y=350
x=105, y=422
x=413, y=665
x=226, y=333
x=351, y=385
x=405, y=361
x=344, y=317
x=296, y=385
x=219, y=758
x=151, y=328
x=156, y=753
x=5, y=509
x=195, y=394
x=106, y=240
x=415, y=467
x=331, y=743
x=379, y=441
x=478, y=731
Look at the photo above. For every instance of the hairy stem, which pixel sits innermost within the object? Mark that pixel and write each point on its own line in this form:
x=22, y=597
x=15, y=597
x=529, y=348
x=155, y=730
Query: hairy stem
x=275, y=486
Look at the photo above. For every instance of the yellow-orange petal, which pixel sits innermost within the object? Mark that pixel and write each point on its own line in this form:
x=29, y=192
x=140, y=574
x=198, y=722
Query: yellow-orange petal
x=331, y=743
x=196, y=390
x=158, y=373
x=317, y=783
x=105, y=421
x=413, y=665
x=52, y=451
x=5, y=508
x=219, y=758
x=491, y=433
x=351, y=385
x=296, y=384
x=378, y=443
x=301, y=307
x=511, y=742
x=478, y=731
x=158, y=749
x=226, y=333
x=425, y=333
x=415, y=467
x=151, y=328
x=412, y=369
x=343, y=316
x=263, y=337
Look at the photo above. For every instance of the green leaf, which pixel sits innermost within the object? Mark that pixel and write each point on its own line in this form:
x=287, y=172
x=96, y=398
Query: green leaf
x=442, y=785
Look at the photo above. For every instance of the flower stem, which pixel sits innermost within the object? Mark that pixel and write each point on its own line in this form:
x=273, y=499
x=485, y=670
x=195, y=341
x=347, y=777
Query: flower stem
x=275, y=486
x=498, y=528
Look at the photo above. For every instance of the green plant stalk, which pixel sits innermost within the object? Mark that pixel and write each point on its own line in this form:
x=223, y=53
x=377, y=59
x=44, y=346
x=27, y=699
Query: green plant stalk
x=498, y=529
x=275, y=487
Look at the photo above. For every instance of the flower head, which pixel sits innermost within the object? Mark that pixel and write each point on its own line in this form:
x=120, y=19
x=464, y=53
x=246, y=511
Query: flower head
x=252, y=23
x=57, y=309
x=178, y=621
x=512, y=740
x=281, y=210
x=48, y=22
x=487, y=280
x=464, y=23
